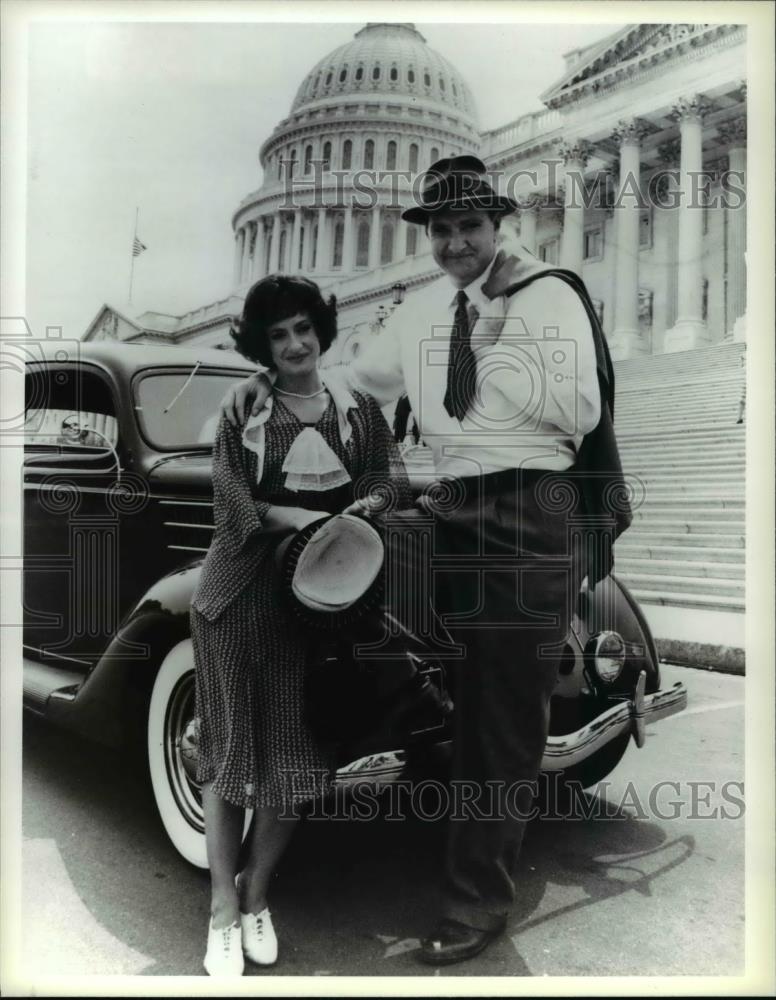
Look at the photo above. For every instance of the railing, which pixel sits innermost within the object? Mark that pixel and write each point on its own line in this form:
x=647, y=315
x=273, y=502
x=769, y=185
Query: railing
x=521, y=130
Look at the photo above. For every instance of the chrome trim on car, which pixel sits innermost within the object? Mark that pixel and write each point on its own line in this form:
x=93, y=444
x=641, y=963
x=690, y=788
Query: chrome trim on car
x=561, y=752
x=186, y=503
x=187, y=524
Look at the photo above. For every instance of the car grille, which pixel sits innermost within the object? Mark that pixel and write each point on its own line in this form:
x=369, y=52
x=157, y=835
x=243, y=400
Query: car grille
x=188, y=524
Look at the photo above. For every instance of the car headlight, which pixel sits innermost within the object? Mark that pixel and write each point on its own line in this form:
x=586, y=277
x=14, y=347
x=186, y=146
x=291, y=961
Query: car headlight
x=605, y=652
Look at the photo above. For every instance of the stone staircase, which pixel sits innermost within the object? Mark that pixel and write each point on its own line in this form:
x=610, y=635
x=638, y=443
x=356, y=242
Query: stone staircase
x=675, y=418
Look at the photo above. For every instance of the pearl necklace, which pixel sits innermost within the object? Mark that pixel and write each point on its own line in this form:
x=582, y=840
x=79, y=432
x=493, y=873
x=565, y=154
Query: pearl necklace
x=301, y=395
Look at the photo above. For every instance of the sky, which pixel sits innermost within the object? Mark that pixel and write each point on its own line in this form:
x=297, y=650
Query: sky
x=169, y=117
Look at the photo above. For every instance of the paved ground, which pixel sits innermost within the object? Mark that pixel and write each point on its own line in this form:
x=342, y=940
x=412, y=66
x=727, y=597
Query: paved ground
x=627, y=892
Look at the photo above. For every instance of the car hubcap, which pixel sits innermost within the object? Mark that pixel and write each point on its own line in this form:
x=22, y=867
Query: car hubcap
x=180, y=752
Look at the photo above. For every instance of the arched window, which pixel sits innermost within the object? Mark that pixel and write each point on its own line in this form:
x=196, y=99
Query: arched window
x=299, y=264
x=412, y=241
x=359, y=74
x=362, y=244
x=328, y=78
x=369, y=154
x=434, y=154
x=442, y=84
x=339, y=239
x=455, y=89
x=410, y=76
x=317, y=81
x=283, y=242
x=376, y=72
x=394, y=74
x=343, y=74
x=292, y=164
x=308, y=159
x=390, y=156
x=347, y=154
x=427, y=78
x=386, y=244
x=413, y=164
x=327, y=156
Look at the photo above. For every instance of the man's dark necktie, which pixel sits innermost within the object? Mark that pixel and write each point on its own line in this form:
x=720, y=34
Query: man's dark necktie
x=461, y=365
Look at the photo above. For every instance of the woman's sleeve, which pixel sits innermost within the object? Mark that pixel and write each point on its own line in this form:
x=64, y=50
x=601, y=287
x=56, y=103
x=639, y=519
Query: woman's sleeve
x=237, y=514
x=382, y=468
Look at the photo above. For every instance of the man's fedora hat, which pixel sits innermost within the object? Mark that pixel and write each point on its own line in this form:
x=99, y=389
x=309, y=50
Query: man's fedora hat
x=457, y=182
x=330, y=571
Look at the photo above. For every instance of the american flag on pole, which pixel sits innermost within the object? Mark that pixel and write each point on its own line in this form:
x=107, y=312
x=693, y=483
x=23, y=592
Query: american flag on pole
x=138, y=247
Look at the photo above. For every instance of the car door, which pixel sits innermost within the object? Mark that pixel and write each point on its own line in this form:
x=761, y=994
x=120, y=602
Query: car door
x=71, y=518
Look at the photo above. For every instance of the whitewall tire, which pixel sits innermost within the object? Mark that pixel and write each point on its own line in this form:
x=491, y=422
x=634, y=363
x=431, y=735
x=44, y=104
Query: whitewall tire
x=177, y=794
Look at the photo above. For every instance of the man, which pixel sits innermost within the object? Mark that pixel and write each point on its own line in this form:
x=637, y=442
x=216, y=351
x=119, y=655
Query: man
x=510, y=382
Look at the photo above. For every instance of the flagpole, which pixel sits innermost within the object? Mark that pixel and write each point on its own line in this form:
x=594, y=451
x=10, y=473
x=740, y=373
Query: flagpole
x=132, y=252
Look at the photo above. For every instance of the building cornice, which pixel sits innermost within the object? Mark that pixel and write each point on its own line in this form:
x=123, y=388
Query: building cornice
x=384, y=289
x=420, y=125
x=642, y=67
x=402, y=109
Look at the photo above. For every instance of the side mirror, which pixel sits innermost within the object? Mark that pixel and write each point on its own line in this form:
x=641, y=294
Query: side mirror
x=75, y=432
x=72, y=430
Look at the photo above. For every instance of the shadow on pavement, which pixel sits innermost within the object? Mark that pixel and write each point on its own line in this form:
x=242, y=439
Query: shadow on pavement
x=350, y=897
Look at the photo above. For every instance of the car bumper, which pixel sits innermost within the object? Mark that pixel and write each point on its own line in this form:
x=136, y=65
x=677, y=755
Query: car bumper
x=561, y=753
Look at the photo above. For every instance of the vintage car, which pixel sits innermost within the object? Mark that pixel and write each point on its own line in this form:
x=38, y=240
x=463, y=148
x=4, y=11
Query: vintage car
x=118, y=516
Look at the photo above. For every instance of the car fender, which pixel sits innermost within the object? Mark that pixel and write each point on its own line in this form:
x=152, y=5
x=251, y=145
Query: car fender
x=112, y=702
x=612, y=606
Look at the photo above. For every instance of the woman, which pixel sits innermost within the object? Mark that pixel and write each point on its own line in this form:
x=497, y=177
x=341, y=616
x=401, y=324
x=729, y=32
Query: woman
x=299, y=459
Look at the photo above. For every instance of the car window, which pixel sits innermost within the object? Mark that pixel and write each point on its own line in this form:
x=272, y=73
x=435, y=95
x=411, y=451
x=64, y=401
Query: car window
x=68, y=407
x=179, y=410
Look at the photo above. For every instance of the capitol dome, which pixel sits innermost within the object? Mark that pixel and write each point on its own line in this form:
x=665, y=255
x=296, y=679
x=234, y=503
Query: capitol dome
x=390, y=59
x=338, y=170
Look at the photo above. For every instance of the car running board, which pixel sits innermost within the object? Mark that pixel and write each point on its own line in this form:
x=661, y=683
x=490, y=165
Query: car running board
x=41, y=680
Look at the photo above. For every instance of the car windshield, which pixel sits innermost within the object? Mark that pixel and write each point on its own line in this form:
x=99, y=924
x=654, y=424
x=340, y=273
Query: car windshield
x=178, y=410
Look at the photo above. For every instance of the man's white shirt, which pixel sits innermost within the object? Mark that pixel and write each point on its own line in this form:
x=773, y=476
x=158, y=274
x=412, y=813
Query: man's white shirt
x=537, y=384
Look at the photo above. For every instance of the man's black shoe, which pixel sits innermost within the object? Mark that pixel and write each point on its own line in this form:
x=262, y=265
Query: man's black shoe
x=454, y=942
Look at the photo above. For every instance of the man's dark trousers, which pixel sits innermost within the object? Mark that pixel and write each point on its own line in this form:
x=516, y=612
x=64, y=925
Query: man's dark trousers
x=506, y=573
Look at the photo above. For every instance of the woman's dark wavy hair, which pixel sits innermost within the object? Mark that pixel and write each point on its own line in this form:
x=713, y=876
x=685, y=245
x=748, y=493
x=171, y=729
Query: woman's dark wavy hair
x=275, y=298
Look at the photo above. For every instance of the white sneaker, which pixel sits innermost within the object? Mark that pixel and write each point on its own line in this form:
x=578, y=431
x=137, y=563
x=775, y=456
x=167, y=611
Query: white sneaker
x=224, y=955
x=258, y=937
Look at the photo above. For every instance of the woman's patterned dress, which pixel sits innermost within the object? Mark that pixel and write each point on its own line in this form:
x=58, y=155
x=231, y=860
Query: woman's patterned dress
x=250, y=653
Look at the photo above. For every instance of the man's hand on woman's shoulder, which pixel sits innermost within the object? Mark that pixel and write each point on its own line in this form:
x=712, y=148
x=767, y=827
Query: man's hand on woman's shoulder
x=245, y=397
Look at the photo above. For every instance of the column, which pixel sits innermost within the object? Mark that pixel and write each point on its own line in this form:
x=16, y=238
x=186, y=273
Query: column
x=259, y=264
x=347, y=241
x=246, y=262
x=690, y=330
x=401, y=240
x=626, y=340
x=374, y=240
x=239, y=243
x=320, y=260
x=734, y=134
x=274, y=248
x=293, y=267
x=667, y=199
x=528, y=212
x=575, y=157
x=250, y=251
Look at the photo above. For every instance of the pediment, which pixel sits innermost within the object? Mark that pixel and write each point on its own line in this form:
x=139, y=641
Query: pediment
x=625, y=49
x=111, y=324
